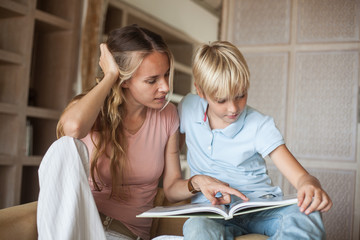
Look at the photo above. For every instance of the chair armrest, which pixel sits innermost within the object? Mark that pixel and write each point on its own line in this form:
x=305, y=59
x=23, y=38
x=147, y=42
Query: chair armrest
x=19, y=222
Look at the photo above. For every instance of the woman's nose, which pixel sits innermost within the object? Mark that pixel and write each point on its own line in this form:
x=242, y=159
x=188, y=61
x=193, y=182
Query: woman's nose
x=163, y=85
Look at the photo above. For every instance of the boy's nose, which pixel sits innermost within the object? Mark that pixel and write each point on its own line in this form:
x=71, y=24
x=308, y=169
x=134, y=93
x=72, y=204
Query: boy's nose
x=232, y=106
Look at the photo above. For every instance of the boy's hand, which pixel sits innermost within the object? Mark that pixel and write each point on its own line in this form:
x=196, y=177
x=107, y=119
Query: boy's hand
x=311, y=197
x=210, y=186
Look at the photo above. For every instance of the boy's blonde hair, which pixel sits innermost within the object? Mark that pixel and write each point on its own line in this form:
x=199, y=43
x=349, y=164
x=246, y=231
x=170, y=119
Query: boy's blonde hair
x=220, y=70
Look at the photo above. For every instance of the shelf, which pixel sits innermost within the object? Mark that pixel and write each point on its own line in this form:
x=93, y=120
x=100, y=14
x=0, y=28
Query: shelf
x=9, y=9
x=8, y=109
x=50, y=67
x=7, y=57
x=39, y=51
x=43, y=113
x=14, y=41
x=9, y=132
x=29, y=184
x=43, y=135
x=48, y=22
x=61, y=9
x=31, y=161
x=6, y=160
x=11, y=79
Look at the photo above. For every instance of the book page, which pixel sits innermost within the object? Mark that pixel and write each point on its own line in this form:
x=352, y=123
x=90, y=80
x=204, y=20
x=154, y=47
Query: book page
x=268, y=201
x=185, y=209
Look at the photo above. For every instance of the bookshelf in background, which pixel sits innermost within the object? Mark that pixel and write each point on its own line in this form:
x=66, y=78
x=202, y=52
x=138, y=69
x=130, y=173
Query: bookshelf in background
x=38, y=64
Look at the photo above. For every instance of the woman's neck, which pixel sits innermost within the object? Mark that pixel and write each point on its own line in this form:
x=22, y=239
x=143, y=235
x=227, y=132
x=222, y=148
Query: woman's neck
x=135, y=118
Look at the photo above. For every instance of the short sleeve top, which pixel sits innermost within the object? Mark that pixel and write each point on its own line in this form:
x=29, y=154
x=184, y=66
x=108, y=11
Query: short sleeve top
x=234, y=154
x=146, y=162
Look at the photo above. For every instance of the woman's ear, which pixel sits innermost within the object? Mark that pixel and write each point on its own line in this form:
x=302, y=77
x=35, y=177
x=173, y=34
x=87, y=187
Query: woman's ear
x=199, y=91
x=125, y=84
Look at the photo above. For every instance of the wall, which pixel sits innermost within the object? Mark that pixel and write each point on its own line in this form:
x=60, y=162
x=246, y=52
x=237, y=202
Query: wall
x=184, y=15
x=303, y=57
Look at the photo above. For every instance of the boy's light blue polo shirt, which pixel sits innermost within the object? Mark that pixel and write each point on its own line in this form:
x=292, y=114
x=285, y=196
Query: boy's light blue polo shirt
x=233, y=154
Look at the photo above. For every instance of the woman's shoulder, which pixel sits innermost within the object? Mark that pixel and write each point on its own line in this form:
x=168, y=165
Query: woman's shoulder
x=168, y=113
x=170, y=108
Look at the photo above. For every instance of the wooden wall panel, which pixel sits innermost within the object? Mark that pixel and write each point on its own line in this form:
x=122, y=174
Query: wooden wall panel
x=303, y=57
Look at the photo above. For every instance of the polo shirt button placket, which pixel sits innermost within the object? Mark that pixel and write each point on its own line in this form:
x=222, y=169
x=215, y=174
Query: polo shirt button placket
x=210, y=147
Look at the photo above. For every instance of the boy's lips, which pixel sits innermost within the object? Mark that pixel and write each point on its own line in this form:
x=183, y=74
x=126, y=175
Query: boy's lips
x=233, y=116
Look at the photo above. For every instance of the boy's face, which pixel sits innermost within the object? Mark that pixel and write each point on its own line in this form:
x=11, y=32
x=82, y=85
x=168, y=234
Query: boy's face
x=223, y=112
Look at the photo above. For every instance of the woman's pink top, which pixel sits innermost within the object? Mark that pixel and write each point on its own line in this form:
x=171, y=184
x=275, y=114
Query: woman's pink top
x=146, y=162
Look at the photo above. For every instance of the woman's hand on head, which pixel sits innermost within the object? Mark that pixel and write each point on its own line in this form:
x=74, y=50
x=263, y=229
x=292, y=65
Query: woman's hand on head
x=107, y=62
x=210, y=186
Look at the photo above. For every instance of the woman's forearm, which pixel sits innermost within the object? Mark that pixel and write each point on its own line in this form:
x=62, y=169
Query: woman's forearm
x=78, y=119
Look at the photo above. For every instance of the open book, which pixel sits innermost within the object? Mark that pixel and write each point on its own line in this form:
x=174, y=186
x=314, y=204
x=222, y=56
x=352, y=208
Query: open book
x=237, y=207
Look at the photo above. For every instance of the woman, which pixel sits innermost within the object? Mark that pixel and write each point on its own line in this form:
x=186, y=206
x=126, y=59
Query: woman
x=131, y=133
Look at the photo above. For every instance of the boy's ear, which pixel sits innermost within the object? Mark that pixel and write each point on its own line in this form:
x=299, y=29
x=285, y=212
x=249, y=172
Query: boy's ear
x=199, y=92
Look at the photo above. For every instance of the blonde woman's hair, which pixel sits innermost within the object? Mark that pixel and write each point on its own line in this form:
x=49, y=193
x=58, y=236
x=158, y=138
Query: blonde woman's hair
x=220, y=70
x=129, y=46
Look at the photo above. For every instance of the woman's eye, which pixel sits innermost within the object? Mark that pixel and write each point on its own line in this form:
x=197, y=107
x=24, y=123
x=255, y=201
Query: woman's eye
x=152, y=81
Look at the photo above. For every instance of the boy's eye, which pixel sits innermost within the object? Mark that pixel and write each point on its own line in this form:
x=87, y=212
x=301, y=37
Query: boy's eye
x=220, y=101
x=240, y=96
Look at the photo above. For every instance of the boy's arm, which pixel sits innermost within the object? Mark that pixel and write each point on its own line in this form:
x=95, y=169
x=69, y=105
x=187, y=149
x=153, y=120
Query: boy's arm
x=311, y=196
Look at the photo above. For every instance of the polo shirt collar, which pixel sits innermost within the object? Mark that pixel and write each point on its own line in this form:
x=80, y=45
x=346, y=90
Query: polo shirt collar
x=231, y=130
x=201, y=116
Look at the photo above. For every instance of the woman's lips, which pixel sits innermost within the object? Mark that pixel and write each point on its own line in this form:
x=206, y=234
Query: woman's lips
x=161, y=99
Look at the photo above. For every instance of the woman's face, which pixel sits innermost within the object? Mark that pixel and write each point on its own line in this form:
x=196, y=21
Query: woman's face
x=149, y=84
